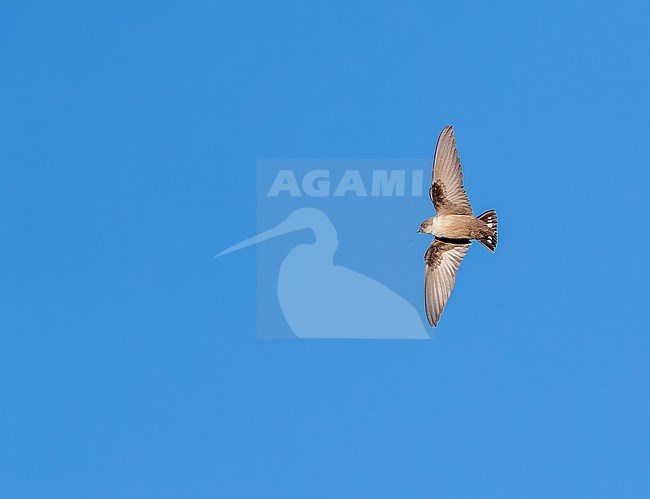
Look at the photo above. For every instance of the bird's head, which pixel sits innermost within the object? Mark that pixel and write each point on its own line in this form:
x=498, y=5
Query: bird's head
x=426, y=226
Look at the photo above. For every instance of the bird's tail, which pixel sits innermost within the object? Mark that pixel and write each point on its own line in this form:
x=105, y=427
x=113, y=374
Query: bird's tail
x=490, y=218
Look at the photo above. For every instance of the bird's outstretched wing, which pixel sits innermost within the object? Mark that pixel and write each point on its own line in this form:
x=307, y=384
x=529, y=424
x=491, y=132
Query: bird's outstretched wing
x=442, y=260
x=447, y=192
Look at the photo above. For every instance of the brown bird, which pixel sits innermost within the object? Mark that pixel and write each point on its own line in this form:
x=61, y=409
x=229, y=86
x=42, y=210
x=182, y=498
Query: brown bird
x=454, y=226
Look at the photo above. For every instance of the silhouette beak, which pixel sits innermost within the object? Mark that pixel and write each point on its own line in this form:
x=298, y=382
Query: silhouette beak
x=280, y=229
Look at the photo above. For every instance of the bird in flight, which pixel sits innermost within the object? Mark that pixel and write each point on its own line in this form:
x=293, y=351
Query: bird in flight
x=454, y=226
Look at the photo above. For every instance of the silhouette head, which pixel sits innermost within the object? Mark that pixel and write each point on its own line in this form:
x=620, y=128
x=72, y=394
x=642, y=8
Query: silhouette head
x=299, y=219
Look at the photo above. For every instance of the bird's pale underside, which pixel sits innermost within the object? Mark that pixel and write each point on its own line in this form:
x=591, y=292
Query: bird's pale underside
x=454, y=226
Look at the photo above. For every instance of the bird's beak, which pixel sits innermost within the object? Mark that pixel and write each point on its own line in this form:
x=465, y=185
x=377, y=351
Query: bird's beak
x=419, y=230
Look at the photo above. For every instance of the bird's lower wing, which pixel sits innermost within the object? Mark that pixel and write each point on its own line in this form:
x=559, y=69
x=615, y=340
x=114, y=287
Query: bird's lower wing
x=442, y=260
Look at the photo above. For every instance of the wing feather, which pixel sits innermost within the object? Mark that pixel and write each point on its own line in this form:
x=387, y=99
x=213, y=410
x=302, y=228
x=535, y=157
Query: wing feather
x=442, y=260
x=447, y=192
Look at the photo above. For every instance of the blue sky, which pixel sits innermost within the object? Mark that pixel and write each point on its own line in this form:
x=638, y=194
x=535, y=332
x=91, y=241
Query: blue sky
x=129, y=359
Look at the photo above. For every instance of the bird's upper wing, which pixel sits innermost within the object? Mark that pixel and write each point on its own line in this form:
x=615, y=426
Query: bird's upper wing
x=442, y=260
x=447, y=192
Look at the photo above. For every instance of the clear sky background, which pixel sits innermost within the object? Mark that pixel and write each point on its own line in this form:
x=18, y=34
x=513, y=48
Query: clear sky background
x=129, y=364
